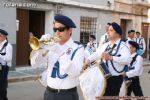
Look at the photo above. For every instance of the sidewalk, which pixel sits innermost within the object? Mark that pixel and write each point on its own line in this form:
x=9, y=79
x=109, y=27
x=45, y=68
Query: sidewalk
x=24, y=74
x=30, y=73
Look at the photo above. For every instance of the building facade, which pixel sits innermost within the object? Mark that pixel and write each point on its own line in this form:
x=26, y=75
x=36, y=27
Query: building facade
x=134, y=14
x=19, y=17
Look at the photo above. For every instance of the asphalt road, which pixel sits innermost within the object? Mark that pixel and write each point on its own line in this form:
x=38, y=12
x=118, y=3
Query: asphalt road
x=28, y=90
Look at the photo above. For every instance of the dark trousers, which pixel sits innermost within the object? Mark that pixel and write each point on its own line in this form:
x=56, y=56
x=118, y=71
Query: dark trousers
x=3, y=83
x=113, y=85
x=62, y=95
x=135, y=87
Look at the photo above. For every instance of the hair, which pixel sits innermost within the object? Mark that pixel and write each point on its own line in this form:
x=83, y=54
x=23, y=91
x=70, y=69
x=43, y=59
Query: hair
x=137, y=32
x=93, y=37
x=109, y=24
x=131, y=31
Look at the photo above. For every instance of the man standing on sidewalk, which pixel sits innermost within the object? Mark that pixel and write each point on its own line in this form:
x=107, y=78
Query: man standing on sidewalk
x=65, y=61
x=5, y=63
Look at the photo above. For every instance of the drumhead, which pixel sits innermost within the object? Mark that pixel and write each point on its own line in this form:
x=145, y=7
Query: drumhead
x=92, y=83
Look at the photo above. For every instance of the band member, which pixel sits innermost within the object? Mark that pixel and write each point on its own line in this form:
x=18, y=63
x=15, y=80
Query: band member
x=65, y=61
x=5, y=63
x=140, y=40
x=135, y=70
x=116, y=55
x=91, y=46
x=104, y=37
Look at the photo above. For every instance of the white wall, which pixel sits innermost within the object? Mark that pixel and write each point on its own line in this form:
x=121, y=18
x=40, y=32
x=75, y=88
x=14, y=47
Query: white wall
x=49, y=18
x=8, y=22
x=103, y=18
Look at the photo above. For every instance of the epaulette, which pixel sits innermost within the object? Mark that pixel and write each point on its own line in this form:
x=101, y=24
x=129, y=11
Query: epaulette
x=77, y=42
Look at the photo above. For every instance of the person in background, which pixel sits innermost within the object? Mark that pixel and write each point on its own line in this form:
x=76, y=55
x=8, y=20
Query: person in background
x=104, y=37
x=6, y=51
x=31, y=34
x=64, y=59
x=135, y=71
x=131, y=36
x=140, y=40
x=91, y=46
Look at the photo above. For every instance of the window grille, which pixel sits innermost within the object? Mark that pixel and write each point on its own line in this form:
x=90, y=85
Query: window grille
x=87, y=27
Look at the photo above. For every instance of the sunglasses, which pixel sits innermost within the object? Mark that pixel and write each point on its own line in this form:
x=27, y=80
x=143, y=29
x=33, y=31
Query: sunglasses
x=61, y=29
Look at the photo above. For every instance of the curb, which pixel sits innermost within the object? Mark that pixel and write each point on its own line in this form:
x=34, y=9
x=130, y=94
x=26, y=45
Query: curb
x=25, y=78
x=34, y=77
x=145, y=65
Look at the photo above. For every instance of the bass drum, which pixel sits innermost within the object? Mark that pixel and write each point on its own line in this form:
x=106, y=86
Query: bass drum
x=92, y=83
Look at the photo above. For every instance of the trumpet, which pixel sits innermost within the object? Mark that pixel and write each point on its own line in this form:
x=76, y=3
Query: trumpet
x=35, y=43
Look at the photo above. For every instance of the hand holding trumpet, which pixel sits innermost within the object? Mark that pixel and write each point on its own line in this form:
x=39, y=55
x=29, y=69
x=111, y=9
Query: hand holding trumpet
x=47, y=42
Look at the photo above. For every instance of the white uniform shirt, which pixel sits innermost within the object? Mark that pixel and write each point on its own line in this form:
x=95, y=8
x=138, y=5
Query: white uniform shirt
x=103, y=39
x=122, y=58
x=138, y=67
x=141, y=42
x=7, y=58
x=68, y=66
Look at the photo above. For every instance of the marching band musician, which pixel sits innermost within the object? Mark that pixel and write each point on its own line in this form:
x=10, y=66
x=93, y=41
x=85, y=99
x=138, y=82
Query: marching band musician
x=140, y=40
x=135, y=70
x=91, y=46
x=104, y=38
x=116, y=55
x=5, y=63
x=65, y=62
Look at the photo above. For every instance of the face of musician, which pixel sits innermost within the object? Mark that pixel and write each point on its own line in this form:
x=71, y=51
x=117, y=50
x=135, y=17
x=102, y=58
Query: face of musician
x=138, y=35
x=2, y=37
x=131, y=35
x=112, y=35
x=62, y=32
x=132, y=49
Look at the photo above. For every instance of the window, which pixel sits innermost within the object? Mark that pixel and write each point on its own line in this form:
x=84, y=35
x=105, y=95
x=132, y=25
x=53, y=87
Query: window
x=87, y=27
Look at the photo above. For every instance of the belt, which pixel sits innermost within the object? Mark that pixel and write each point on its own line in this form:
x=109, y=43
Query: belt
x=60, y=90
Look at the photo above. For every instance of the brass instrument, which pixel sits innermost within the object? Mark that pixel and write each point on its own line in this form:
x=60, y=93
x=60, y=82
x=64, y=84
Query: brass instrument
x=35, y=43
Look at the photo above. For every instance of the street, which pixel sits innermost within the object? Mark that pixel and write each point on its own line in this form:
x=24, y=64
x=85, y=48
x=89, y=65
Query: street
x=33, y=90
x=28, y=90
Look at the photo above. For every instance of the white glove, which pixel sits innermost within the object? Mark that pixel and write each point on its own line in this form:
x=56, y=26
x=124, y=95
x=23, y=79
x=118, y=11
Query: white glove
x=54, y=47
x=45, y=37
x=37, y=59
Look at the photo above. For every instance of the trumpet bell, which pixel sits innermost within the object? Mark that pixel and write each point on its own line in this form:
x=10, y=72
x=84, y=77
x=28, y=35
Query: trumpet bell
x=34, y=43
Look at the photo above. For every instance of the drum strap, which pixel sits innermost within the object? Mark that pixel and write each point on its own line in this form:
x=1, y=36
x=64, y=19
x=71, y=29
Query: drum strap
x=4, y=47
x=56, y=72
x=114, y=55
x=133, y=60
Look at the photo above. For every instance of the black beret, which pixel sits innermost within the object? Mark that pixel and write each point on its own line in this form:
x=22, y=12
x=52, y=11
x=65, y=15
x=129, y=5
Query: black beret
x=65, y=20
x=134, y=44
x=3, y=32
x=117, y=28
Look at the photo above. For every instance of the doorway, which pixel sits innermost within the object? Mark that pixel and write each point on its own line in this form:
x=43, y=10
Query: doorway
x=145, y=35
x=29, y=21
